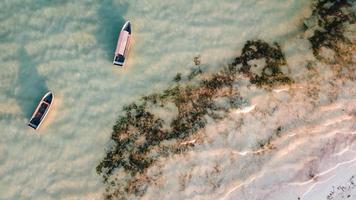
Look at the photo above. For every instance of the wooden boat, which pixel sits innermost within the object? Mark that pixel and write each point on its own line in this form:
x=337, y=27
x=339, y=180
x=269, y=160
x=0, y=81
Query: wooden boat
x=41, y=110
x=123, y=45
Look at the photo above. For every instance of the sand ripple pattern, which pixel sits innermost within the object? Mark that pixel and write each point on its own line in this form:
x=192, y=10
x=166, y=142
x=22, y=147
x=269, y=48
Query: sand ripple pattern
x=66, y=47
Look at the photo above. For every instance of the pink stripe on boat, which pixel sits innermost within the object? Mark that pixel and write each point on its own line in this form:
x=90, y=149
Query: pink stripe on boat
x=120, y=48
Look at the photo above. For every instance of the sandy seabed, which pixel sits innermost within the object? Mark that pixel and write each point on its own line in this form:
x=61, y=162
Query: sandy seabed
x=67, y=47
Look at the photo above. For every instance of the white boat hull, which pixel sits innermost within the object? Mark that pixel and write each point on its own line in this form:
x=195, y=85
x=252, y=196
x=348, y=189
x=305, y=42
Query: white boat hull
x=41, y=111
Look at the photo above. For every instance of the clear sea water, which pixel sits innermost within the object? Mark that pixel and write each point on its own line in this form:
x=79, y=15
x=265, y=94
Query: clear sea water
x=67, y=47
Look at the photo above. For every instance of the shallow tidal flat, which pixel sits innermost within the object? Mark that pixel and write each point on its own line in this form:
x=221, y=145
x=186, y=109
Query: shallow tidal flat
x=268, y=105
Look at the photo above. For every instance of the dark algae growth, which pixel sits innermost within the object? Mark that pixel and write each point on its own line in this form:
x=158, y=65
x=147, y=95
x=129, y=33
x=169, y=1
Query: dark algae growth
x=161, y=125
x=332, y=16
x=141, y=135
x=331, y=39
x=270, y=73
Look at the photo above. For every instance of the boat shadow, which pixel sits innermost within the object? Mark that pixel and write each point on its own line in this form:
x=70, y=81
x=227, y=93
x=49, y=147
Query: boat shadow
x=109, y=25
x=30, y=86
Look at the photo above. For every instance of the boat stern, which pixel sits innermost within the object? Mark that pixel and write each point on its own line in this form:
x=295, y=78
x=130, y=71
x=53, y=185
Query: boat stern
x=32, y=126
x=119, y=60
x=118, y=64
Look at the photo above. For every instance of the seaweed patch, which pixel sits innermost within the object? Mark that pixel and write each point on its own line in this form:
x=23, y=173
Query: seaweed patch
x=141, y=136
x=160, y=124
x=331, y=18
x=273, y=59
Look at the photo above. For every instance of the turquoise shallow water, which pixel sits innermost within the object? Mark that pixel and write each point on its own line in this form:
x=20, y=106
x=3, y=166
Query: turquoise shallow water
x=67, y=47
